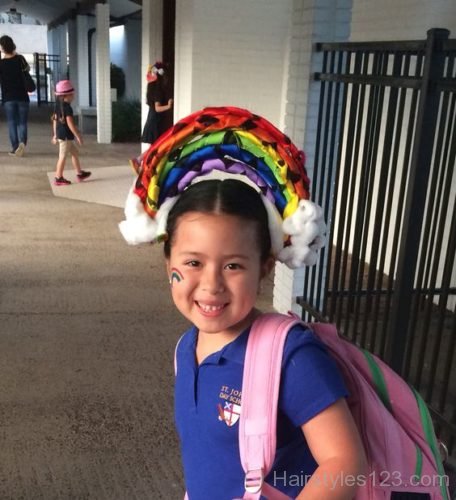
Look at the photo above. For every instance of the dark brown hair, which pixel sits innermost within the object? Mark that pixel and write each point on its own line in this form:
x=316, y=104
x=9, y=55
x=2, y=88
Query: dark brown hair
x=7, y=44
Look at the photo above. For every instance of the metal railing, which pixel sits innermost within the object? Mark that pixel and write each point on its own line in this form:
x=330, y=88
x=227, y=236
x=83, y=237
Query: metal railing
x=47, y=73
x=384, y=174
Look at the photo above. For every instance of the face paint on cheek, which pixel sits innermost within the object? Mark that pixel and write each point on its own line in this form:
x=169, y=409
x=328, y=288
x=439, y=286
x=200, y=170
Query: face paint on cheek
x=176, y=275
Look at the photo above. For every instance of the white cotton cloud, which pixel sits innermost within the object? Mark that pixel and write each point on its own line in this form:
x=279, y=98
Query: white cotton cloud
x=307, y=230
x=138, y=226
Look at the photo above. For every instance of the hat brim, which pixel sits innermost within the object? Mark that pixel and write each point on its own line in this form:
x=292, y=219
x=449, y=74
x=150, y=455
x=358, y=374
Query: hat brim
x=65, y=92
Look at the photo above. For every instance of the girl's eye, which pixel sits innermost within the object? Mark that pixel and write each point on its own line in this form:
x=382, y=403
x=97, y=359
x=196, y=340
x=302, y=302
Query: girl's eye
x=233, y=266
x=192, y=263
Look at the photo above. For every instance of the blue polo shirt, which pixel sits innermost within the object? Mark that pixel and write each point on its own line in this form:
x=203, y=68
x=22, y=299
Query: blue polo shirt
x=208, y=404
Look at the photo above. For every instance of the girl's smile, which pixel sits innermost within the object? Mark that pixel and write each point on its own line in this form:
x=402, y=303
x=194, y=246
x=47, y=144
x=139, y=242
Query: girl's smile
x=218, y=256
x=210, y=309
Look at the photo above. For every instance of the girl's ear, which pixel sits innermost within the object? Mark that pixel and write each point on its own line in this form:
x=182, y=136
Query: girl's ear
x=168, y=268
x=267, y=266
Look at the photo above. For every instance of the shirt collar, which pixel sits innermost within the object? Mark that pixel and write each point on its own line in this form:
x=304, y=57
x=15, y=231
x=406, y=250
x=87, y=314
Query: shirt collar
x=234, y=351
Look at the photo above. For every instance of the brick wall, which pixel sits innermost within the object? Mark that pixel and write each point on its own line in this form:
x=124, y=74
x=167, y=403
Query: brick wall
x=401, y=19
x=312, y=21
x=231, y=53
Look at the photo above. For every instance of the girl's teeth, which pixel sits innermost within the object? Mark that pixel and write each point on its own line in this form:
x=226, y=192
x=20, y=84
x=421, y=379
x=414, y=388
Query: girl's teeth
x=207, y=308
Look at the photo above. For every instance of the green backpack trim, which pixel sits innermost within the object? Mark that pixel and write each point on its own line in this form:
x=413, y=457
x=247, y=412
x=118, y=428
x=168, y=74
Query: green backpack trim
x=382, y=391
x=379, y=380
x=428, y=429
x=419, y=462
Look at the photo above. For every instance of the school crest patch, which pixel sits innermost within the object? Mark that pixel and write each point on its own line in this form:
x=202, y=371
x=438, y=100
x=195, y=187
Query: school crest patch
x=229, y=408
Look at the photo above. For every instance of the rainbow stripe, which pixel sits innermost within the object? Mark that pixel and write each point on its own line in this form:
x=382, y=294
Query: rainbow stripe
x=233, y=136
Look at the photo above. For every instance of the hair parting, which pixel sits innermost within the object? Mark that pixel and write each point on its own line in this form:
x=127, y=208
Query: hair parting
x=229, y=197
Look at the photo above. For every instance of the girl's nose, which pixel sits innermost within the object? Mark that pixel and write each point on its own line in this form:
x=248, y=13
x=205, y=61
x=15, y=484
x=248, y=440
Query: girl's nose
x=212, y=281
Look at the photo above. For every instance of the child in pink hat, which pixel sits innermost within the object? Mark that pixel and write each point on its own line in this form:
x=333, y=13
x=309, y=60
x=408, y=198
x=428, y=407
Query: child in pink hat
x=65, y=132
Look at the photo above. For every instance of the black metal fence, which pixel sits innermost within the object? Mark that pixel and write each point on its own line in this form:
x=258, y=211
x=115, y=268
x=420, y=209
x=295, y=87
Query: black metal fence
x=47, y=74
x=384, y=173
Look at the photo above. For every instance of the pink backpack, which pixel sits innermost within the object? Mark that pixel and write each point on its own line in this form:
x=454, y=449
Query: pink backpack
x=393, y=419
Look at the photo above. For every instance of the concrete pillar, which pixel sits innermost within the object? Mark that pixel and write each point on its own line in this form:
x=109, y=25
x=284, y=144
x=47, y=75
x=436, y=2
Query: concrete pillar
x=63, y=51
x=133, y=71
x=82, y=79
x=183, y=73
x=73, y=55
x=152, y=46
x=103, y=75
x=57, y=46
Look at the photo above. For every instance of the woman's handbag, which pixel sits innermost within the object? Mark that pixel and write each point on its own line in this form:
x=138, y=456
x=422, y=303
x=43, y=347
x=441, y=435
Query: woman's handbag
x=29, y=84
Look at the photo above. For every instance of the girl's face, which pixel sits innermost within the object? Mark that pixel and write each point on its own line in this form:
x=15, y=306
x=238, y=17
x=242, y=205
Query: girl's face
x=215, y=271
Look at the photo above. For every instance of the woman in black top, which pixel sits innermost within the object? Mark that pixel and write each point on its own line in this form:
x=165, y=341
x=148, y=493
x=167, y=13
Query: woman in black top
x=14, y=96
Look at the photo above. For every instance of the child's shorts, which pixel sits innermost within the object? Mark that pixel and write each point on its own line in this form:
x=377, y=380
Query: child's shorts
x=67, y=147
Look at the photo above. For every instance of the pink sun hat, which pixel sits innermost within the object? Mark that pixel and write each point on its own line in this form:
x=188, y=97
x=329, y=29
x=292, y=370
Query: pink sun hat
x=64, y=87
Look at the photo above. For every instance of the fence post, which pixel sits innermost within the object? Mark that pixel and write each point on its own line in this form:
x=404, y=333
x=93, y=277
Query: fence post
x=398, y=332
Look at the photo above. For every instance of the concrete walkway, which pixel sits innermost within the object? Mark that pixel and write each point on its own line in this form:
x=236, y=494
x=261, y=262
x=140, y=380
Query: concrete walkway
x=87, y=334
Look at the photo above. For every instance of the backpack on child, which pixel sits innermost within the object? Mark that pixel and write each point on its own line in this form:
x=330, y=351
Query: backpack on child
x=392, y=418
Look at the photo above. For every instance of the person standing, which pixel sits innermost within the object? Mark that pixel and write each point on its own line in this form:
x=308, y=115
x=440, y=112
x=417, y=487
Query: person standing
x=159, y=102
x=158, y=99
x=65, y=132
x=14, y=95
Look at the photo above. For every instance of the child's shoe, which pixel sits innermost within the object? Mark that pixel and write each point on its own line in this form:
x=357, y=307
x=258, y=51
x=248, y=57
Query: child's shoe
x=61, y=181
x=83, y=175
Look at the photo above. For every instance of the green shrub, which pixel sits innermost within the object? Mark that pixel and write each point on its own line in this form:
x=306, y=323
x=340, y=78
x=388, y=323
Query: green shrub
x=126, y=121
x=118, y=80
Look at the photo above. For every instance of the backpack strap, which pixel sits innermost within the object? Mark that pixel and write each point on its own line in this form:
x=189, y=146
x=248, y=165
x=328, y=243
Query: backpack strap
x=260, y=394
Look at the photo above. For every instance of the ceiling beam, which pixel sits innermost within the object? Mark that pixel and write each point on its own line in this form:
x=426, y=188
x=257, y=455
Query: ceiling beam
x=84, y=7
x=119, y=21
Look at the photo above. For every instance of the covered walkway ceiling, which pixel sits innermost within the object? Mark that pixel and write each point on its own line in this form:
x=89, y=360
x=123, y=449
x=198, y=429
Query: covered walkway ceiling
x=55, y=12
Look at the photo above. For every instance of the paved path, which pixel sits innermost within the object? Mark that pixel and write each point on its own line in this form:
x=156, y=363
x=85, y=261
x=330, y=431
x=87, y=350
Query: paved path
x=87, y=334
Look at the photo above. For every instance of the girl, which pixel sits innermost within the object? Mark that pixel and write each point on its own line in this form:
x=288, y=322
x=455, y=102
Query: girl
x=219, y=245
x=220, y=242
x=159, y=117
x=159, y=103
x=64, y=132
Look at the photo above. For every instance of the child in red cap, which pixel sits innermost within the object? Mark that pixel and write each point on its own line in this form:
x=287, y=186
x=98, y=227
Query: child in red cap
x=65, y=131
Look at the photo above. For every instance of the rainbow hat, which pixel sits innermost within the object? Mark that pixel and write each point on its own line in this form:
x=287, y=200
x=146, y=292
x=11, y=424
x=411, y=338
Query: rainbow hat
x=228, y=142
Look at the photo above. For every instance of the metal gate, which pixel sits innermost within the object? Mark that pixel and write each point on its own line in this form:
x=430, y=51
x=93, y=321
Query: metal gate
x=384, y=173
x=47, y=74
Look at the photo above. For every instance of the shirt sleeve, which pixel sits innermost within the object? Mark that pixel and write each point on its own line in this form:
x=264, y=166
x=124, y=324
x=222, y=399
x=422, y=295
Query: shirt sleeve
x=311, y=380
x=68, y=110
x=153, y=94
